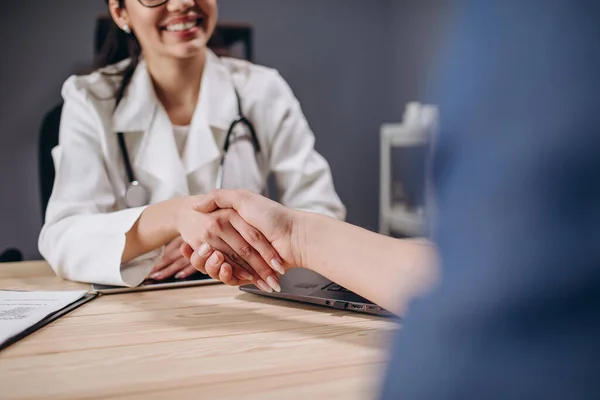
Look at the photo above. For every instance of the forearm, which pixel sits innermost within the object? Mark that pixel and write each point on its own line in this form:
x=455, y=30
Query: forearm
x=387, y=271
x=156, y=226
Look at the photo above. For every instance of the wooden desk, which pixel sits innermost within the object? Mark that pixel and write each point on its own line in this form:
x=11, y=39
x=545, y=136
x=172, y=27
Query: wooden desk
x=211, y=342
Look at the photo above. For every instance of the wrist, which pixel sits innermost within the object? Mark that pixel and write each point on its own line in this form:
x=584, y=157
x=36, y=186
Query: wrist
x=178, y=212
x=302, y=224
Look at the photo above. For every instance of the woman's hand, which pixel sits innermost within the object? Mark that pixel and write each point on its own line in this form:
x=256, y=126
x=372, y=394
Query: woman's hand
x=214, y=265
x=241, y=247
x=263, y=216
x=172, y=263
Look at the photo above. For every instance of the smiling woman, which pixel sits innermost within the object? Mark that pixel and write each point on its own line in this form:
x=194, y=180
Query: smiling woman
x=181, y=36
x=141, y=138
x=179, y=29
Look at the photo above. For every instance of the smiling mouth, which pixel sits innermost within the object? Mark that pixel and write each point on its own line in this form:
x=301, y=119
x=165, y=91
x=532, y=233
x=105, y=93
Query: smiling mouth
x=183, y=26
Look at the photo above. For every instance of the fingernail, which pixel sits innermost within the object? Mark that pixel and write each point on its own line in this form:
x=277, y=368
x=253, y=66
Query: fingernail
x=277, y=266
x=274, y=284
x=155, y=275
x=245, y=275
x=180, y=275
x=263, y=286
x=214, y=259
x=203, y=250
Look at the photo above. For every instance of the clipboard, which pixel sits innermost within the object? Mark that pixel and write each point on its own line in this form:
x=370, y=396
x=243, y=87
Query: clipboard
x=50, y=318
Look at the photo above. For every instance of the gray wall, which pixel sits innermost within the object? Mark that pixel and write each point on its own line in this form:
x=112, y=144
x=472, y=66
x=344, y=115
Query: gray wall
x=336, y=56
x=42, y=43
x=352, y=64
x=418, y=28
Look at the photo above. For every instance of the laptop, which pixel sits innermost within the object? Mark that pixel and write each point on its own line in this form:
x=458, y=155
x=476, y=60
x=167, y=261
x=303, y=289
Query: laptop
x=196, y=279
x=305, y=286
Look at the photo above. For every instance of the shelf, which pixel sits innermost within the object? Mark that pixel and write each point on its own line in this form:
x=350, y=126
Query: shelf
x=404, y=221
x=399, y=135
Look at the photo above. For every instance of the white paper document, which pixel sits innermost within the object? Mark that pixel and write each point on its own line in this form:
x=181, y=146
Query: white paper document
x=21, y=310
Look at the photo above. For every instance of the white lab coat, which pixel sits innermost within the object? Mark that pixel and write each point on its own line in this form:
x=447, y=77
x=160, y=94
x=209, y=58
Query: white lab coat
x=83, y=237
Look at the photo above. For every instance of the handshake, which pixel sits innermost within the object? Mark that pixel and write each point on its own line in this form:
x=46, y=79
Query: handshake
x=239, y=237
x=235, y=236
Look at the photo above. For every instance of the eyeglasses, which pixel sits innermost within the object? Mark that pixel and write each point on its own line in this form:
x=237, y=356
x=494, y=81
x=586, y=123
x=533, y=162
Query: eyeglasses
x=152, y=3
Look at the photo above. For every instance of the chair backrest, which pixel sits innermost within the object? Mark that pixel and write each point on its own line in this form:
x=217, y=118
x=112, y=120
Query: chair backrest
x=47, y=141
x=11, y=255
x=227, y=37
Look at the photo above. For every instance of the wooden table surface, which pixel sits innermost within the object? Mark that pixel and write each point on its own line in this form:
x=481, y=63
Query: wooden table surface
x=211, y=342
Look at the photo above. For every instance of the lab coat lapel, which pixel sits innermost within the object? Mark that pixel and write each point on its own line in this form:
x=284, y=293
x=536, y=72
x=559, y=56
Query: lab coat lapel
x=216, y=110
x=140, y=111
x=136, y=110
x=158, y=153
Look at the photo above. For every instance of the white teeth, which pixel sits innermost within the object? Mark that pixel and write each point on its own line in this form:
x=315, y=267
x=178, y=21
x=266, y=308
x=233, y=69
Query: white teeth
x=182, y=26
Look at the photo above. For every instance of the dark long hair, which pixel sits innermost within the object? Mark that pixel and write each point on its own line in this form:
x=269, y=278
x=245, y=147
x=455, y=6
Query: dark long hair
x=118, y=46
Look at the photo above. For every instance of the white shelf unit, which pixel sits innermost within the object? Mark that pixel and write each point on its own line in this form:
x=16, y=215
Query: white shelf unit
x=395, y=216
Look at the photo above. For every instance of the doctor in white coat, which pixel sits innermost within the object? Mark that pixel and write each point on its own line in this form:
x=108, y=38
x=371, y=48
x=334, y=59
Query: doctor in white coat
x=141, y=139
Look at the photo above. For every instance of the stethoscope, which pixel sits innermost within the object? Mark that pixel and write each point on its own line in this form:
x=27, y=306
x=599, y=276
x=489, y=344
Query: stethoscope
x=137, y=195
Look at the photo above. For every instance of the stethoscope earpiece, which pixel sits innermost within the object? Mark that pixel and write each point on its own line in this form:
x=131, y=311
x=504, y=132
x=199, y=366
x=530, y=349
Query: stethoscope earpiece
x=136, y=195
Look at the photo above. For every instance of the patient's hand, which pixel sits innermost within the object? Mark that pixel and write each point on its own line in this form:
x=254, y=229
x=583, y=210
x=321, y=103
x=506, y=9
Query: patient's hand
x=265, y=217
x=242, y=248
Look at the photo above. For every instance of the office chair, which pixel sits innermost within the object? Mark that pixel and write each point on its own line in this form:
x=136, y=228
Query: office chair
x=47, y=141
x=227, y=35
x=11, y=255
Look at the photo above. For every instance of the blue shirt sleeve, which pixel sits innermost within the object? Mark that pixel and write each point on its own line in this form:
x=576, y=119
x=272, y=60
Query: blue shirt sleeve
x=517, y=176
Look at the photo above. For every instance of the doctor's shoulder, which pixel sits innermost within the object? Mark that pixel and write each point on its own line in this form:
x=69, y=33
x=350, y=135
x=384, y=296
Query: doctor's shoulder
x=259, y=83
x=98, y=87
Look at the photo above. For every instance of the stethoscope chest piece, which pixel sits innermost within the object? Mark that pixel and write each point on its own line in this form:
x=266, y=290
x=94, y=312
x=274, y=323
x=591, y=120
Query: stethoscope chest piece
x=136, y=195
